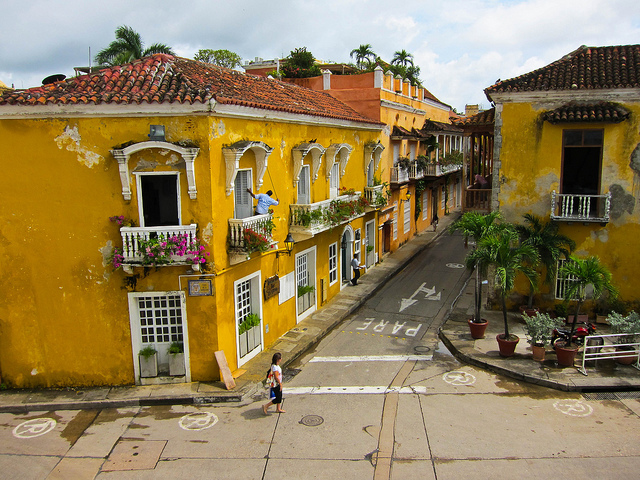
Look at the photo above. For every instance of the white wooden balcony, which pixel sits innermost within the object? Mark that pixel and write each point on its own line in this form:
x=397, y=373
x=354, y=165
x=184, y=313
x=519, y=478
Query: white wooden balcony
x=307, y=220
x=399, y=175
x=131, y=237
x=415, y=172
x=580, y=208
x=261, y=224
x=438, y=169
x=375, y=196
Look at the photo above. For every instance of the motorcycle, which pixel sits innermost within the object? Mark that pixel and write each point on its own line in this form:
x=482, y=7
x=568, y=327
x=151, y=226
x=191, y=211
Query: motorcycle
x=582, y=330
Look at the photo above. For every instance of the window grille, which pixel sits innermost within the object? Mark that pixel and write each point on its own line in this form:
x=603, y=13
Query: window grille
x=243, y=300
x=333, y=262
x=160, y=319
x=562, y=282
x=407, y=216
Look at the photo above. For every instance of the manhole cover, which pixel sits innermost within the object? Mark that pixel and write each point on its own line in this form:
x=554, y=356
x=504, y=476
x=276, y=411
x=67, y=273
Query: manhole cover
x=421, y=349
x=312, y=420
x=455, y=265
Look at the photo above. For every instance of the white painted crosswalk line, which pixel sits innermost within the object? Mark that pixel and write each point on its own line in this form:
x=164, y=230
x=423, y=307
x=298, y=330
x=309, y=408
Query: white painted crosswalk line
x=373, y=358
x=352, y=390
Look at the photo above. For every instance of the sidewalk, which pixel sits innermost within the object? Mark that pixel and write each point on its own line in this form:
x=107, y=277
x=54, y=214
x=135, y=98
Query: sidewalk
x=603, y=375
x=454, y=333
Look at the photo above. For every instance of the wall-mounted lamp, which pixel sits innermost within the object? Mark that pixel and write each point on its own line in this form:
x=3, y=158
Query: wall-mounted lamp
x=156, y=133
x=406, y=198
x=288, y=246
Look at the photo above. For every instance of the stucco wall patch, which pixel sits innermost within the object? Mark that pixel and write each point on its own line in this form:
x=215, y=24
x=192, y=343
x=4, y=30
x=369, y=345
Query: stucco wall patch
x=601, y=235
x=70, y=139
x=621, y=201
x=207, y=233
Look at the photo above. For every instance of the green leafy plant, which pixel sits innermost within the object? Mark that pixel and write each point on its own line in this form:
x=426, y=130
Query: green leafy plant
x=255, y=242
x=369, y=248
x=300, y=64
x=147, y=352
x=304, y=289
x=404, y=163
x=628, y=325
x=176, y=347
x=539, y=328
x=250, y=321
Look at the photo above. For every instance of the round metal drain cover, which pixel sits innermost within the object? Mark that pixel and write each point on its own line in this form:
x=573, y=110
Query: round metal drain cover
x=455, y=265
x=421, y=349
x=312, y=420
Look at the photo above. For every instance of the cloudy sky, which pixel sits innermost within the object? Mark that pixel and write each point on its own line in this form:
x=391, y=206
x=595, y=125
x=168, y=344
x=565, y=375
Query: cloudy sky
x=461, y=46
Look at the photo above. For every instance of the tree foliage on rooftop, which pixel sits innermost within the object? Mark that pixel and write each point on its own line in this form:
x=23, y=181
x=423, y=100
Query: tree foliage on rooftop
x=364, y=56
x=300, y=64
x=222, y=58
x=127, y=47
x=402, y=57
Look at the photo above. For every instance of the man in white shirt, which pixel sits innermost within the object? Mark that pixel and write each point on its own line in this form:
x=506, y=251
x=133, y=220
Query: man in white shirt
x=356, y=269
x=264, y=202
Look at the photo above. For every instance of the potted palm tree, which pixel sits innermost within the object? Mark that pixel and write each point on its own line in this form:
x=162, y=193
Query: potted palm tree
x=502, y=250
x=476, y=226
x=583, y=273
x=539, y=330
x=550, y=245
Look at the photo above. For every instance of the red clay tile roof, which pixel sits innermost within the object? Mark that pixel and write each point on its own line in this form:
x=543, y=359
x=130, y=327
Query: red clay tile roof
x=433, y=126
x=485, y=117
x=603, y=112
x=592, y=68
x=164, y=79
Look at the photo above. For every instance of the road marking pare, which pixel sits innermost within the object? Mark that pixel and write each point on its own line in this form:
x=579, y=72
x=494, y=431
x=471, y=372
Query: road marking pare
x=574, y=408
x=459, y=378
x=374, y=358
x=34, y=428
x=198, y=421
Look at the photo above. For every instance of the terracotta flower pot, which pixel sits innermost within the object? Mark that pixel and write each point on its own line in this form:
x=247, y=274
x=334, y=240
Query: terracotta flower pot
x=538, y=353
x=566, y=356
x=507, y=347
x=477, y=329
x=625, y=356
x=529, y=312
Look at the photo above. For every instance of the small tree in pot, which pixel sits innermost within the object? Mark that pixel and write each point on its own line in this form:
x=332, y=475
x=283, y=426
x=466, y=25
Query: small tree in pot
x=550, y=245
x=502, y=250
x=475, y=225
x=539, y=330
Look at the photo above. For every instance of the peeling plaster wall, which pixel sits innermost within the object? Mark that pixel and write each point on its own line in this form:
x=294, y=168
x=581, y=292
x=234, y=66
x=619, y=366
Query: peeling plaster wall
x=529, y=168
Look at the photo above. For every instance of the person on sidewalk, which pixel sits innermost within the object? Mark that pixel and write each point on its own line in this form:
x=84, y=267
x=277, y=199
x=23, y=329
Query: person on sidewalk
x=264, y=202
x=356, y=269
x=275, y=377
x=434, y=222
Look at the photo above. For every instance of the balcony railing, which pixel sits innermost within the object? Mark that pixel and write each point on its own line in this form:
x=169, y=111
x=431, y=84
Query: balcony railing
x=261, y=224
x=580, y=208
x=399, y=175
x=415, y=172
x=438, y=169
x=131, y=237
x=478, y=199
x=307, y=220
x=375, y=196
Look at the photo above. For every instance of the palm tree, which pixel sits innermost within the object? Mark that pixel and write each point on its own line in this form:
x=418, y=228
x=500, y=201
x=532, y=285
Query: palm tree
x=127, y=47
x=476, y=226
x=580, y=273
x=550, y=245
x=502, y=250
x=402, y=57
x=362, y=53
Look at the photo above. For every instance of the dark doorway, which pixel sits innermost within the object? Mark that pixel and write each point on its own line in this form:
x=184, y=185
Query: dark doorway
x=159, y=200
x=582, y=153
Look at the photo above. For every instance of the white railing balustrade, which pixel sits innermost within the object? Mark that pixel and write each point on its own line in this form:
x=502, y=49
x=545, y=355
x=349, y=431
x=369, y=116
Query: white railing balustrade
x=399, y=175
x=303, y=220
x=261, y=224
x=375, y=195
x=415, y=172
x=580, y=208
x=617, y=346
x=131, y=237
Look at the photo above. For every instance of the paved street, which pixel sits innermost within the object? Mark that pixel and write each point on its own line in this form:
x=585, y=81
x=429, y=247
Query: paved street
x=379, y=397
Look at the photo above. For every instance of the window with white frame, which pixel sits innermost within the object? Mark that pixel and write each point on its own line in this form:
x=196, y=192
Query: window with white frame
x=407, y=216
x=356, y=243
x=333, y=263
x=562, y=282
x=395, y=225
x=425, y=205
x=334, y=181
x=160, y=319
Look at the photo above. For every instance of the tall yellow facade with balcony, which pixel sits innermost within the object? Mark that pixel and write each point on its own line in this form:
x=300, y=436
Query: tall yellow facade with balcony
x=168, y=148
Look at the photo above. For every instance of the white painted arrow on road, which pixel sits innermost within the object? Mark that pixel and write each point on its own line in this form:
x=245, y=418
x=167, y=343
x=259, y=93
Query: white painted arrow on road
x=407, y=302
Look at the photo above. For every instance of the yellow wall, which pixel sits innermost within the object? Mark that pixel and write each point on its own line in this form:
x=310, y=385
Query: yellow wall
x=64, y=317
x=531, y=162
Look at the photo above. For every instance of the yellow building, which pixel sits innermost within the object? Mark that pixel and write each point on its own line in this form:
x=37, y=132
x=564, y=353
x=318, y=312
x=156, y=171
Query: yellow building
x=422, y=162
x=567, y=148
x=167, y=147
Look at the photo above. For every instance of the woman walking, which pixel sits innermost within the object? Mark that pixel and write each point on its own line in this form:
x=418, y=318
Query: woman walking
x=275, y=378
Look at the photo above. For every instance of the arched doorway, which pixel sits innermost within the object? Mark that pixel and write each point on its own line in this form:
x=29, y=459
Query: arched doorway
x=346, y=252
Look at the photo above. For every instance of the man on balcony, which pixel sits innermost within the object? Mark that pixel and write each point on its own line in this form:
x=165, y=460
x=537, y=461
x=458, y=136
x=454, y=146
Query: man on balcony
x=264, y=201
